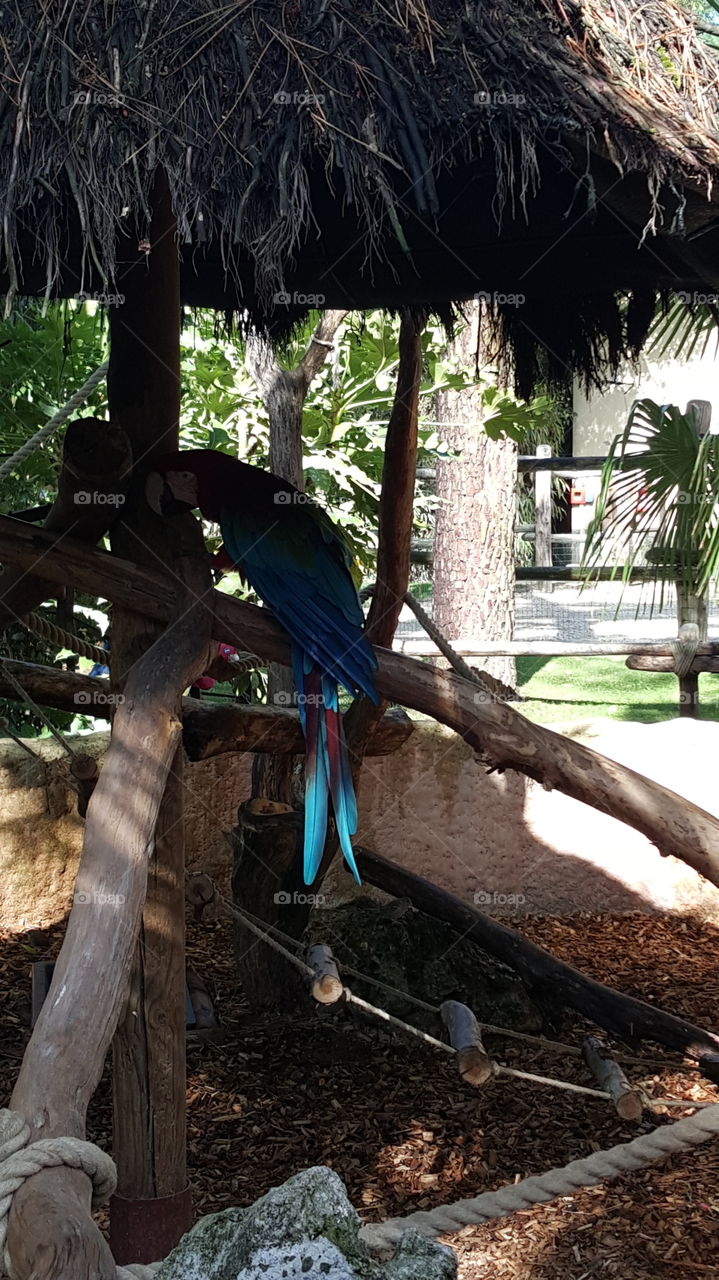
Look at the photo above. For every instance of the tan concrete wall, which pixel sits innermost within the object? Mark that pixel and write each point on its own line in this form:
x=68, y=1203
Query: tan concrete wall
x=500, y=838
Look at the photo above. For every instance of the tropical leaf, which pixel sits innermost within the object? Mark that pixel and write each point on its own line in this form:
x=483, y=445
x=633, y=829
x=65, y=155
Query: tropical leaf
x=659, y=497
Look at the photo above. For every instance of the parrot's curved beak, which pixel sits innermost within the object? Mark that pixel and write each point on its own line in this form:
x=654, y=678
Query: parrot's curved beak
x=161, y=498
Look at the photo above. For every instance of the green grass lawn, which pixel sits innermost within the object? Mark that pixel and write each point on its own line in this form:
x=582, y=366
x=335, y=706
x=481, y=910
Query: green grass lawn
x=582, y=688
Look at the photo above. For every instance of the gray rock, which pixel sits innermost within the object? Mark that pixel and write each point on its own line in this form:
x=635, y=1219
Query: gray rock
x=304, y=1230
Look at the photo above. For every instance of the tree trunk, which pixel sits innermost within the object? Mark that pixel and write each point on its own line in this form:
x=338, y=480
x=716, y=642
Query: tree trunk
x=473, y=581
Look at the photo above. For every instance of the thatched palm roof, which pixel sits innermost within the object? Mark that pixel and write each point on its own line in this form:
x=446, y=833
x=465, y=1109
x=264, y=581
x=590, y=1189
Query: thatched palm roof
x=389, y=153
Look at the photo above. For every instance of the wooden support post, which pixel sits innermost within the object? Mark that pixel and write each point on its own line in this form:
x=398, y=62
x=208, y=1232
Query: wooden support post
x=543, y=511
x=473, y=1062
x=266, y=837
x=93, y=482
x=326, y=986
x=692, y=632
x=152, y=1208
x=610, y=1077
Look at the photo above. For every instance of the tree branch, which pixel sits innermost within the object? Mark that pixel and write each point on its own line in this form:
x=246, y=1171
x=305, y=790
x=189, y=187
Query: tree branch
x=63, y=1061
x=503, y=735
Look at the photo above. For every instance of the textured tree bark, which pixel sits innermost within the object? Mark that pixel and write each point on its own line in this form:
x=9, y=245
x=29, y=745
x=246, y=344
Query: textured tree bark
x=93, y=482
x=51, y=1235
x=473, y=575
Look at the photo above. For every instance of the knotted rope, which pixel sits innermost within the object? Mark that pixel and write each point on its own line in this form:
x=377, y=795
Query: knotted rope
x=79, y=397
x=20, y=1159
x=64, y=639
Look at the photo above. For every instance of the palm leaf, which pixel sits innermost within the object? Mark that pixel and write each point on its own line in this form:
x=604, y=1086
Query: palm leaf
x=659, y=489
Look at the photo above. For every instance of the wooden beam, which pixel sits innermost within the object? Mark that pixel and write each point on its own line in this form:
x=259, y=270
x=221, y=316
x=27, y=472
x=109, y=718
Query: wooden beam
x=657, y=662
x=209, y=728
x=152, y=1207
x=51, y=1234
x=396, y=516
x=471, y=648
x=92, y=485
x=621, y=1015
x=501, y=734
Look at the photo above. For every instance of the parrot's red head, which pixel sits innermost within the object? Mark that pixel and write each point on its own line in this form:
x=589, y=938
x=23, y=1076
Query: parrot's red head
x=181, y=481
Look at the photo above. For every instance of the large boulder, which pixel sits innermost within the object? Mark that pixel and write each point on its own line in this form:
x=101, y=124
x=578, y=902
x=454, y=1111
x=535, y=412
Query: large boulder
x=412, y=952
x=304, y=1230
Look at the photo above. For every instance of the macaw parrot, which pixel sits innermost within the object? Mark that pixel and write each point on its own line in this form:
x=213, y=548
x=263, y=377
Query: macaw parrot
x=294, y=557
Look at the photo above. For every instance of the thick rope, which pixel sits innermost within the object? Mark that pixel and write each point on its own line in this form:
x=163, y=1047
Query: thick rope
x=19, y=1161
x=626, y=1157
x=56, y=421
x=64, y=639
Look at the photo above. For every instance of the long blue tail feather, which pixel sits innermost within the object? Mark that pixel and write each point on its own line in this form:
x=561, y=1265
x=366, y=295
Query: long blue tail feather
x=327, y=767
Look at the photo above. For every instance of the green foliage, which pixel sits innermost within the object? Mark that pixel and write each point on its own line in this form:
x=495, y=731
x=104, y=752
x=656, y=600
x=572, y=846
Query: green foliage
x=43, y=360
x=659, y=495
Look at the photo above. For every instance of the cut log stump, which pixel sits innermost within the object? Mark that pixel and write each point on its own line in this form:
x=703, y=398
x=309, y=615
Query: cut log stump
x=474, y=1063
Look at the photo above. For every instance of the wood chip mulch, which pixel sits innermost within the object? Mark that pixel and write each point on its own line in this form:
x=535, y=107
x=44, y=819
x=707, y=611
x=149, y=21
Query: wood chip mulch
x=403, y=1132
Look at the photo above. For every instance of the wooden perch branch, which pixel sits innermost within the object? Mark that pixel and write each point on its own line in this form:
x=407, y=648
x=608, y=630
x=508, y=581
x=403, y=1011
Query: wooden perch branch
x=621, y=1015
x=326, y=986
x=473, y=1062
x=209, y=729
x=96, y=465
x=49, y=1218
x=503, y=735
x=610, y=1077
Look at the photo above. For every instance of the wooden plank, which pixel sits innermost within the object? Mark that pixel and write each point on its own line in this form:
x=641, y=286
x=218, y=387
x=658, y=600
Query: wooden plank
x=551, y=648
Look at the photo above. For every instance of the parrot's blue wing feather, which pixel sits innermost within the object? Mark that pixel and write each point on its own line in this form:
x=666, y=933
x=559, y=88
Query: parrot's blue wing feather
x=300, y=569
